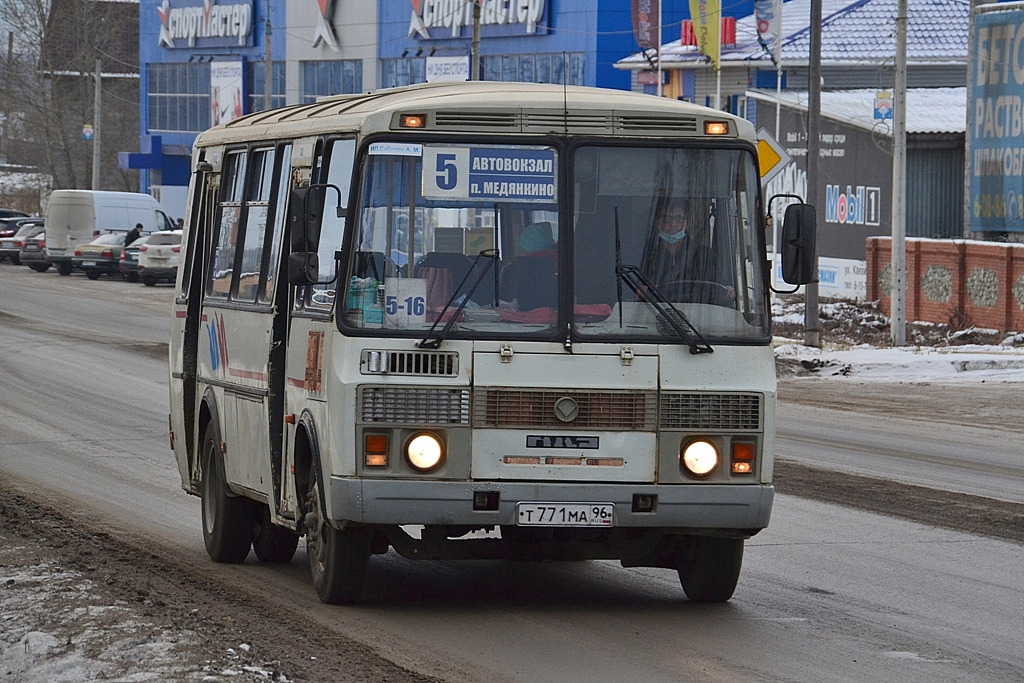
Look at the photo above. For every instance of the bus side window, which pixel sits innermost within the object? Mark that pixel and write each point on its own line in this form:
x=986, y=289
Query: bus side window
x=340, y=158
x=226, y=238
x=257, y=209
x=283, y=179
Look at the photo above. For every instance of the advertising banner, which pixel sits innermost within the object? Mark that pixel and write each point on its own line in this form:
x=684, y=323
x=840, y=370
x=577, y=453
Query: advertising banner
x=996, y=133
x=446, y=69
x=769, y=27
x=205, y=24
x=454, y=18
x=707, y=21
x=646, y=19
x=226, y=96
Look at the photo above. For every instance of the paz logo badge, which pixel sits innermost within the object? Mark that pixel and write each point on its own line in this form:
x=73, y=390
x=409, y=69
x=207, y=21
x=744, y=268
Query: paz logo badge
x=324, y=28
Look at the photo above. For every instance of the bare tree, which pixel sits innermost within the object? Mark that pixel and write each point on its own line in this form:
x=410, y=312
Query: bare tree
x=49, y=84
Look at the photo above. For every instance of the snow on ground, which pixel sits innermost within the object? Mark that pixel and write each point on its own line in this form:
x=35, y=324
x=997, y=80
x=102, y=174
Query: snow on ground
x=855, y=345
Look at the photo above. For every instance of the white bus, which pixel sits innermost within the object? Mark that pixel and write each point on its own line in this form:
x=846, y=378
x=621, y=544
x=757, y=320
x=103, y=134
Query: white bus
x=431, y=319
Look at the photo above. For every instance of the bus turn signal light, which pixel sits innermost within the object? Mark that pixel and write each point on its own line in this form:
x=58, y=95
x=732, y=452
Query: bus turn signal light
x=413, y=121
x=742, y=457
x=716, y=128
x=376, y=450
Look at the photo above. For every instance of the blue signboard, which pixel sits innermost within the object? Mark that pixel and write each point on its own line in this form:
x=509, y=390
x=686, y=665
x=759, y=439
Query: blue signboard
x=489, y=173
x=996, y=132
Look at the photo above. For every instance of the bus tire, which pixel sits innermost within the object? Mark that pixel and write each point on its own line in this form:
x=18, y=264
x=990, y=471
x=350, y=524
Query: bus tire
x=93, y=274
x=273, y=544
x=64, y=268
x=709, y=568
x=338, y=558
x=227, y=519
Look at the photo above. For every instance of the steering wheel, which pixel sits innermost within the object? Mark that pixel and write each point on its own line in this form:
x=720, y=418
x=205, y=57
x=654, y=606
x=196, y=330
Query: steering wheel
x=700, y=291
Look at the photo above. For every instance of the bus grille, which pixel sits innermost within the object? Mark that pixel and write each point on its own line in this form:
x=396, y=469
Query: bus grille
x=420, y=405
x=475, y=120
x=652, y=122
x=509, y=408
x=442, y=364
x=711, y=411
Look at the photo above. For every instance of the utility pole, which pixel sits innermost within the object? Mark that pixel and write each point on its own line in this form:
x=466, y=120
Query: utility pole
x=7, y=97
x=96, y=127
x=474, y=65
x=268, y=68
x=811, y=330
x=898, y=295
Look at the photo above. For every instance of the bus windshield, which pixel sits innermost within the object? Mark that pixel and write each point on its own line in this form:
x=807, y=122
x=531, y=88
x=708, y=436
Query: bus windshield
x=442, y=225
x=678, y=226
x=447, y=225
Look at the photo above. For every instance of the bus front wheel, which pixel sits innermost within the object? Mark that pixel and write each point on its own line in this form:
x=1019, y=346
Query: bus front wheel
x=709, y=568
x=227, y=519
x=338, y=558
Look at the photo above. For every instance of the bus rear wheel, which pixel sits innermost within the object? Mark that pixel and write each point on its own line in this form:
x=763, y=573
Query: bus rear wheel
x=338, y=558
x=273, y=544
x=227, y=519
x=709, y=568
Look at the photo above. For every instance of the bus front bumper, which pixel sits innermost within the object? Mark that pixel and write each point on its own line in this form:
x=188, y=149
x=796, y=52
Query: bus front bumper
x=682, y=506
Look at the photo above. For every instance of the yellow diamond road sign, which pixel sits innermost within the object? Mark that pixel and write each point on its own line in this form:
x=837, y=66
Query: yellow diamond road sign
x=771, y=156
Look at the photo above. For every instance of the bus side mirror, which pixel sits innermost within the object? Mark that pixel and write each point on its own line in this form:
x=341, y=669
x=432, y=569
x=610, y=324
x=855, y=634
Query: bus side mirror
x=303, y=268
x=798, y=241
x=305, y=207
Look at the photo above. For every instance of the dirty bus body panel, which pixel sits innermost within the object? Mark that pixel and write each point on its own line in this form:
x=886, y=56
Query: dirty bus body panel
x=408, y=316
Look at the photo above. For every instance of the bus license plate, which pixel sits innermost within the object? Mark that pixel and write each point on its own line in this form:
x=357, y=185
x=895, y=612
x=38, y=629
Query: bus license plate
x=565, y=514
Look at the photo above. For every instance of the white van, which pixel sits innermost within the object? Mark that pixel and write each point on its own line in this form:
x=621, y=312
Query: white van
x=75, y=217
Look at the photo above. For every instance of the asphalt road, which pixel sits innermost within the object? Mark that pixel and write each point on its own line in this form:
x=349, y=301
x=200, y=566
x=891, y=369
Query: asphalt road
x=827, y=593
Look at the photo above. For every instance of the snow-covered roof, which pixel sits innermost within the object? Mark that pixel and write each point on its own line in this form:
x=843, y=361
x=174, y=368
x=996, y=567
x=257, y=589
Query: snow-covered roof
x=929, y=110
x=859, y=32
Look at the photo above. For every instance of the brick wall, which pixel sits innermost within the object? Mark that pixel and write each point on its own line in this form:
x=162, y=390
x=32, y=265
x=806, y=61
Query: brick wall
x=963, y=282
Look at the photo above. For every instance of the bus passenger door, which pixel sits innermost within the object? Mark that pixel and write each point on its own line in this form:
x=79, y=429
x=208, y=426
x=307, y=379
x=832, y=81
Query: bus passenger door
x=184, y=341
x=311, y=323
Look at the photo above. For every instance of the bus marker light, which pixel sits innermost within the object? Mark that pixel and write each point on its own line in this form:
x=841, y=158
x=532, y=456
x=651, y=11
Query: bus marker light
x=376, y=460
x=741, y=468
x=716, y=128
x=413, y=121
x=376, y=450
x=289, y=419
x=521, y=460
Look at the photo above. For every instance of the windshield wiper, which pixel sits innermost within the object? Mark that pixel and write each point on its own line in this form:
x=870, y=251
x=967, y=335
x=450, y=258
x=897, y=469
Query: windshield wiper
x=433, y=343
x=648, y=292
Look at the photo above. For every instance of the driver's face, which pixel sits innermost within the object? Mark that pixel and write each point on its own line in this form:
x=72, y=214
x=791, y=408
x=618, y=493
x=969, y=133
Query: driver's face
x=673, y=222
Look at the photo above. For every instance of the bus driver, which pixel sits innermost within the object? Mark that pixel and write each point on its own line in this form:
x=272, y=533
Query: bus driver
x=678, y=262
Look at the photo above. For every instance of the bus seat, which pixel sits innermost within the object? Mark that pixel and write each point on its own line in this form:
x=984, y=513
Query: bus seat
x=370, y=264
x=532, y=281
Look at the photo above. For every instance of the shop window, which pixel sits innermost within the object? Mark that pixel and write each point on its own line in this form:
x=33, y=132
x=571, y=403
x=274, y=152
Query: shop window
x=256, y=74
x=178, y=97
x=331, y=78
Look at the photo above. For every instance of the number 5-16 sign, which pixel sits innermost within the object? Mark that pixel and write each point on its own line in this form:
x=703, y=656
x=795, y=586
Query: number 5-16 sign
x=489, y=173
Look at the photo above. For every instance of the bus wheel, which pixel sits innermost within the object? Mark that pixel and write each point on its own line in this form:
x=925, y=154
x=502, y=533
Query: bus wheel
x=64, y=268
x=273, y=544
x=227, y=519
x=709, y=568
x=93, y=274
x=338, y=558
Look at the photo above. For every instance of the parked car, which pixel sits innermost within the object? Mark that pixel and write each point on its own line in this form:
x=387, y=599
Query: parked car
x=102, y=255
x=9, y=222
x=33, y=254
x=129, y=261
x=159, y=257
x=10, y=247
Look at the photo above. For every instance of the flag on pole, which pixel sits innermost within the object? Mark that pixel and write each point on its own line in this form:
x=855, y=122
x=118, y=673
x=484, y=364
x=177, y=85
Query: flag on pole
x=645, y=23
x=769, y=27
x=707, y=26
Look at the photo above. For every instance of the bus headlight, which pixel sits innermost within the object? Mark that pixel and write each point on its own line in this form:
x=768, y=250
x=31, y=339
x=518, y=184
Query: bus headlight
x=700, y=457
x=424, y=452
